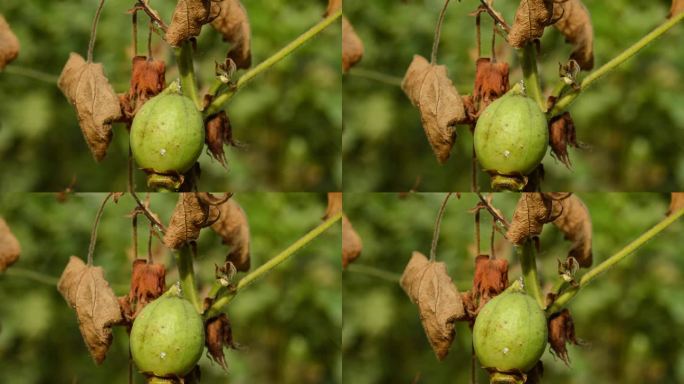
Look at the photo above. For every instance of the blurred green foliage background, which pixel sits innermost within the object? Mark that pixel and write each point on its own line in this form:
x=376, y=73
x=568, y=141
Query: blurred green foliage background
x=288, y=323
x=631, y=121
x=289, y=118
x=631, y=319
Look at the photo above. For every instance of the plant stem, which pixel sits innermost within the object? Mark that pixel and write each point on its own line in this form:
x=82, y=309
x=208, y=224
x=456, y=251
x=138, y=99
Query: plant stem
x=283, y=256
x=588, y=277
x=375, y=76
x=438, y=33
x=187, y=73
x=93, y=232
x=528, y=60
x=31, y=74
x=93, y=31
x=32, y=275
x=528, y=263
x=375, y=272
x=187, y=276
x=438, y=225
x=219, y=101
x=566, y=100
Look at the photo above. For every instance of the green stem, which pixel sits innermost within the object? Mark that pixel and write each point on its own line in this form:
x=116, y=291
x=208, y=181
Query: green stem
x=32, y=275
x=219, y=101
x=528, y=60
x=566, y=100
x=375, y=272
x=375, y=76
x=31, y=74
x=187, y=276
x=588, y=277
x=529, y=268
x=271, y=264
x=186, y=71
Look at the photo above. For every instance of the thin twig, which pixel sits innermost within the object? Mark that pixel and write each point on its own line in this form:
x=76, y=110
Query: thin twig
x=154, y=16
x=498, y=19
x=159, y=226
x=93, y=31
x=438, y=33
x=93, y=233
x=493, y=211
x=135, y=234
x=438, y=224
x=477, y=230
x=135, y=30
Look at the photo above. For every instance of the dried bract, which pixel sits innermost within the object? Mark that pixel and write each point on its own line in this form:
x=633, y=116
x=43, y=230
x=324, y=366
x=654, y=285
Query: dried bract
x=561, y=135
x=193, y=212
x=530, y=20
x=334, y=204
x=676, y=202
x=148, y=79
x=351, y=243
x=9, y=247
x=333, y=5
x=219, y=334
x=233, y=228
x=232, y=22
x=97, y=308
x=97, y=105
x=429, y=286
x=573, y=219
x=217, y=133
x=491, y=277
x=352, y=46
x=438, y=101
x=187, y=20
x=677, y=8
x=532, y=212
x=9, y=44
x=491, y=81
x=561, y=332
x=574, y=22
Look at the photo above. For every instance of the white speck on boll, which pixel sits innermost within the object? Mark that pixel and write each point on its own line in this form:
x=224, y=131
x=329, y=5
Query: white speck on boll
x=162, y=151
x=162, y=355
x=505, y=350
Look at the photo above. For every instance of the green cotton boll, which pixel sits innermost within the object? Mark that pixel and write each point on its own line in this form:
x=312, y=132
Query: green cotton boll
x=511, y=136
x=510, y=333
x=167, y=338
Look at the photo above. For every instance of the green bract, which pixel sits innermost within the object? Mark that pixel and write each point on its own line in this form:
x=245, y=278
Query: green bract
x=167, y=135
x=511, y=137
x=510, y=333
x=167, y=338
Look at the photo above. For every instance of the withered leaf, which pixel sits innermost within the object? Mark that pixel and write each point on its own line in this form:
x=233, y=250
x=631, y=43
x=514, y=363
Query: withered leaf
x=148, y=79
x=440, y=105
x=334, y=204
x=97, y=105
x=532, y=212
x=187, y=20
x=561, y=135
x=561, y=332
x=192, y=213
x=574, y=22
x=351, y=243
x=429, y=286
x=9, y=247
x=333, y=5
x=148, y=281
x=573, y=219
x=676, y=202
x=677, y=8
x=232, y=22
x=233, y=228
x=491, y=81
x=531, y=17
x=218, y=132
x=352, y=46
x=219, y=334
x=491, y=277
x=9, y=44
x=97, y=308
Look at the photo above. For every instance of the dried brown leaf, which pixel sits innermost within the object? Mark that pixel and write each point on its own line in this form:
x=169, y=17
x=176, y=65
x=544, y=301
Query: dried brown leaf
x=334, y=204
x=192, y=213
x=561, y=332
x=561, y=135
x=440, y=105
x=352, y=46
x=428, y=285
x=491, y=81
x=532, y=212
x=574, y=22
x=573, y=219
x=219, y=334
x=148, y=281
x=148, y=79
x=676, y=202
x=233, y=228
x=333, y=5
x=218, y=132
x=187, y=20
x=9, y=44
x=9, y=247
x=491, y=277
x=97, y=308
x=351, y=243
x=531, y=17
x=677, y=8
x=97, y=105
x=232, y=22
